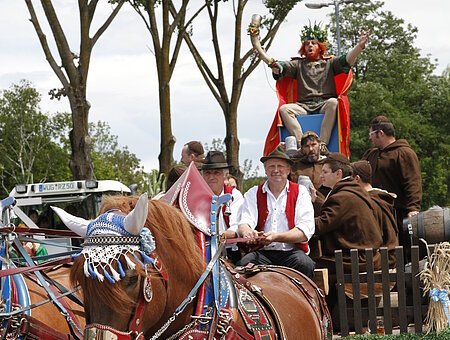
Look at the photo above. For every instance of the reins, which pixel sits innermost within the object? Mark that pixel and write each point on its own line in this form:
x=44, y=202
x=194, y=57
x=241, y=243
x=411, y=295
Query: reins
x=190, y=297
x=67, y=313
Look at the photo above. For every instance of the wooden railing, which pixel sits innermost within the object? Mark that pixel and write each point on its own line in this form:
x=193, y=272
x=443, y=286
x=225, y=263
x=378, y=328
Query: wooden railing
x=385, y=294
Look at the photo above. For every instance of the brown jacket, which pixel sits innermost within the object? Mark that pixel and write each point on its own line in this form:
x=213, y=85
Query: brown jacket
x=396, y=169
x=347, y=221
x=386, y=219
x=304, y=168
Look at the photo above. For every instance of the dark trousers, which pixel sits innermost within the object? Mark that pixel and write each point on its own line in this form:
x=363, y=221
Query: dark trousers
x=295, y=259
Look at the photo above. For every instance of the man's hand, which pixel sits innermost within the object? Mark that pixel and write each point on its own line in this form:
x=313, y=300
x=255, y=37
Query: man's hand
x=412, y=213
x=246, y=232
x=269, y=238
x=313, y=193
x=363, y=39
x=276, y=67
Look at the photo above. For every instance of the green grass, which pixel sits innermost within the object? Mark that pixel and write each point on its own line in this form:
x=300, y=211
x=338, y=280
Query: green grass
x=445, y=334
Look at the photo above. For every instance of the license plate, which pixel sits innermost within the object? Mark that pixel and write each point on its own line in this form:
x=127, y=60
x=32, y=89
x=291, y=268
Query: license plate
x=52, y=187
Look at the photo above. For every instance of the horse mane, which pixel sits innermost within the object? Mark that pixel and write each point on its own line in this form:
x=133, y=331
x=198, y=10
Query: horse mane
x=175, y=247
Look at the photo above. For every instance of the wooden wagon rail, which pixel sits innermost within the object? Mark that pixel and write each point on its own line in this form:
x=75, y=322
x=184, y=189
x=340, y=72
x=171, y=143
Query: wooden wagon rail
x=380, y=293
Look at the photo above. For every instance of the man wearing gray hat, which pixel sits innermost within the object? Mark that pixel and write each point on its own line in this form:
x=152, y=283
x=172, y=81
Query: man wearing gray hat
x=214, y=171
x=281, y=211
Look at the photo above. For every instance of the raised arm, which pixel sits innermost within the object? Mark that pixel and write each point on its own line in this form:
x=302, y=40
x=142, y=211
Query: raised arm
x=356, y=51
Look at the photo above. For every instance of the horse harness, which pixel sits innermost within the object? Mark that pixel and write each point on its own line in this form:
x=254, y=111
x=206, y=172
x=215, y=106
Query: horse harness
x=240, y=275
x=21, y=324
x=94, y=330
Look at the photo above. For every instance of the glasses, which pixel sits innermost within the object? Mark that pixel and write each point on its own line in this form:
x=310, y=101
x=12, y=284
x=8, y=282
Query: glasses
x=372, y=132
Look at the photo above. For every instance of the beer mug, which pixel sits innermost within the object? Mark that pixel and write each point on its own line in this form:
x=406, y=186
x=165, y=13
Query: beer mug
x=291, y=145
x=306, y=182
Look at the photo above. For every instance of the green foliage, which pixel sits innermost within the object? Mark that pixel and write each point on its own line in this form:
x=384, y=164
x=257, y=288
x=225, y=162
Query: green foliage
x=217, y=144
x=251, y=182
x=392, y=79
x=248, y=171
x=154, y=183
x=28, y=148
x=112, y=162
x=280, y=8
x=35, y=147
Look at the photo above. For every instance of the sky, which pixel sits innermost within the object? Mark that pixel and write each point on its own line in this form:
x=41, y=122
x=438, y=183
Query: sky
x=122, y=84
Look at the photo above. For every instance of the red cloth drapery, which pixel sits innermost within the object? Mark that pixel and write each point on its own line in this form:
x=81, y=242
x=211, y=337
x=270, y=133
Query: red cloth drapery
x=287, y=93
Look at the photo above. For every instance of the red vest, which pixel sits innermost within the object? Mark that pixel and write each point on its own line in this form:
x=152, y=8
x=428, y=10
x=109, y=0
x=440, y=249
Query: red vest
x=227, y=189
x=263, y=211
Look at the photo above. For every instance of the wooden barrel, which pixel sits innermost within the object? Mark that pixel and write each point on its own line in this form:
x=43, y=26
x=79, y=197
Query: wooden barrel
x=433, y=225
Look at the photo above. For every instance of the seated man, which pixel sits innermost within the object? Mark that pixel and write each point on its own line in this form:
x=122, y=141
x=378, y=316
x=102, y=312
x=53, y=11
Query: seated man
x=309, y=162
x=314, y=72
x=281, y=211
x=214, y=172
x=347, y=218
x=362, y=172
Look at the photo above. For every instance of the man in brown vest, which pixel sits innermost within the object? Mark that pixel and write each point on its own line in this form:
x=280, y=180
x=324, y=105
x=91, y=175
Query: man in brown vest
x=281, y=211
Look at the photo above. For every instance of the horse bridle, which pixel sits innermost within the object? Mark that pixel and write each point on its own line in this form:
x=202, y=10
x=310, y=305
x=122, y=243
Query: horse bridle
x=95, y=330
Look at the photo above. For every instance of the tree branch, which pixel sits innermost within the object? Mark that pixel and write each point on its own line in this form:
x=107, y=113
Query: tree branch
x=60, y=40
x=43, y=41
x=107, y=22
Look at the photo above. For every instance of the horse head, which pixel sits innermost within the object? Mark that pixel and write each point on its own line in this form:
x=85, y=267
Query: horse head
x=139, y=261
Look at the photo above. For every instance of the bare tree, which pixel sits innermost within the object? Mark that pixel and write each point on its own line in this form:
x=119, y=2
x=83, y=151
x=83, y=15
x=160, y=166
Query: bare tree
x=216, y=82
x=72, y=71
x=166, y=55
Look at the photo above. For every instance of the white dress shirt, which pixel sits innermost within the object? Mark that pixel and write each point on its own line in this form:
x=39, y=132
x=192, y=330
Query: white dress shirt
x=276, y=219
x=235, y=209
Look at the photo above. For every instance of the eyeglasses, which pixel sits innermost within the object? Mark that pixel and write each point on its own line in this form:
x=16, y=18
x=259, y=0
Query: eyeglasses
x=372, y=132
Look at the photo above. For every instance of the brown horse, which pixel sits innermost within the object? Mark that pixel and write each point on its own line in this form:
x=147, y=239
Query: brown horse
x=44, y=320
x=47, y=313
x=291, y=302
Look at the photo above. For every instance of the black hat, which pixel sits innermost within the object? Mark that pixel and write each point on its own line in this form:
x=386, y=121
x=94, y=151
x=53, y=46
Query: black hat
x=215, y=160
x=278, y=153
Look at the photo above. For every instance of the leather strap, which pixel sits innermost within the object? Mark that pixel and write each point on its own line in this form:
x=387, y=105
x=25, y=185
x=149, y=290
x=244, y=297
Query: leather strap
x=33, y=267
x=48, y=289
x=32, y=328
x=254, y=316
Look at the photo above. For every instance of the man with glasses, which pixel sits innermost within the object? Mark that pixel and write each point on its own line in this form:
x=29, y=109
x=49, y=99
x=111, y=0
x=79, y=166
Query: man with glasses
x=395, y=168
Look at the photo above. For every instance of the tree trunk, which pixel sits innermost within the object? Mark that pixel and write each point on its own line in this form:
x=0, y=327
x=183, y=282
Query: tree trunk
x=80, y=160
x=232, y=140
x=167, y=138
x=74, y=77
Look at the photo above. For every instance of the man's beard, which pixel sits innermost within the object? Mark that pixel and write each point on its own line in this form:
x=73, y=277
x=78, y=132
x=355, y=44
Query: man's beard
x=312, y=158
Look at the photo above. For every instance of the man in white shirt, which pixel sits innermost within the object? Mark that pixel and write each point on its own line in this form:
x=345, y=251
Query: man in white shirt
x=214, y=172
x=281, y=211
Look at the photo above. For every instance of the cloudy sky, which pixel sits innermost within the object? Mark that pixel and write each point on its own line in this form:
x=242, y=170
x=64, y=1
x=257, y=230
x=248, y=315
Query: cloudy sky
x=122, y=86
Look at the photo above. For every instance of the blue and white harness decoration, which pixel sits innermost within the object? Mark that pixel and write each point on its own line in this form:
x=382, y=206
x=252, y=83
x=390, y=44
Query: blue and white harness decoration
x=107, y=240
x=110, y=236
